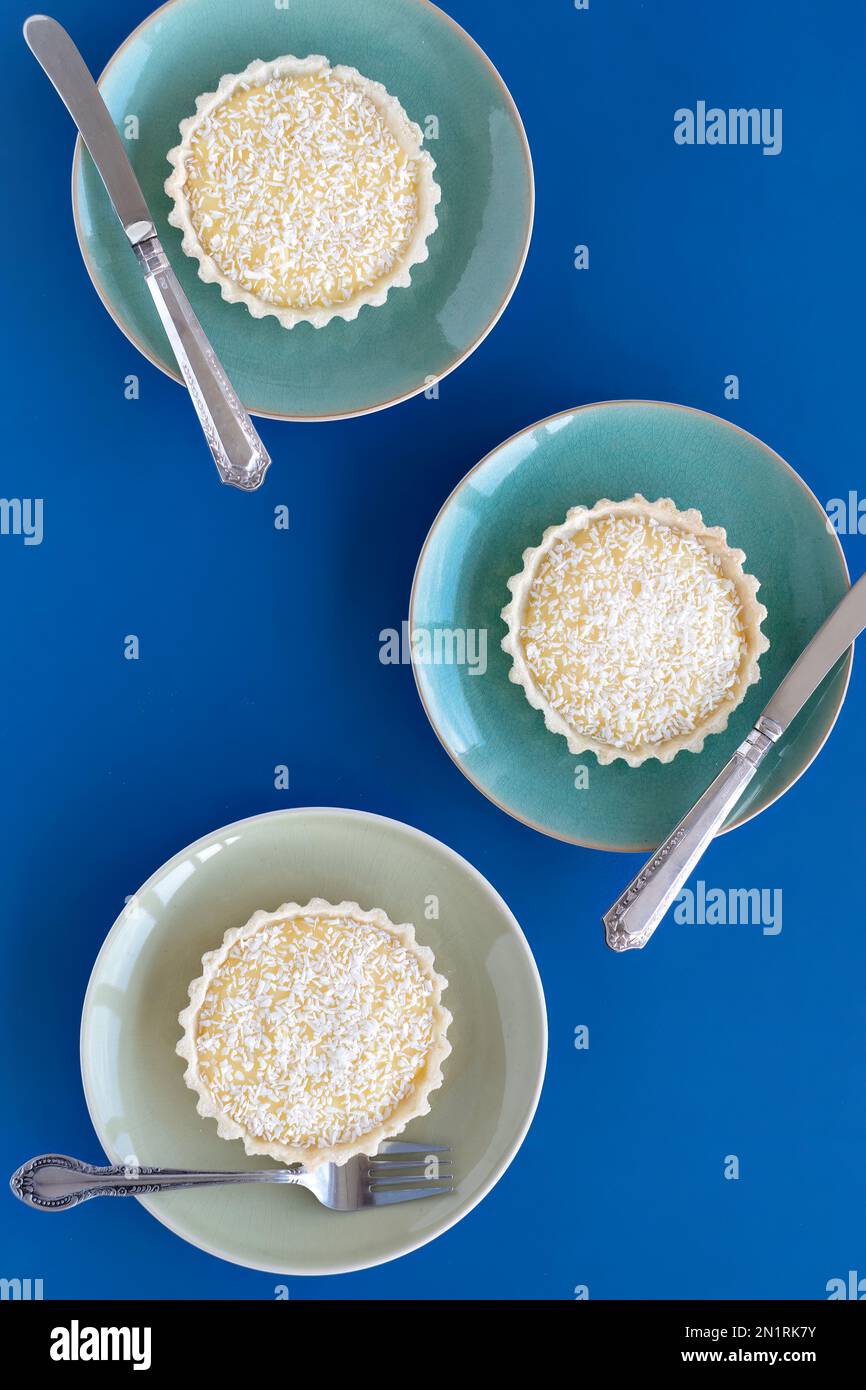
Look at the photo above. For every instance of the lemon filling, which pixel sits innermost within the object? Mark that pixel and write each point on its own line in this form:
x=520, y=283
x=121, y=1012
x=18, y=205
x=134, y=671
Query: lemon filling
x=300, y=192
x=633, y=632
x=312, y=1030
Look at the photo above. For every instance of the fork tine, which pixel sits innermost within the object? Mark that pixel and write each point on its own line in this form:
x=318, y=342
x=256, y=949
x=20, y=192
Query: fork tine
x=378, y=1180
x=409, y=1194
x=397, y=1146
x=390, y=1164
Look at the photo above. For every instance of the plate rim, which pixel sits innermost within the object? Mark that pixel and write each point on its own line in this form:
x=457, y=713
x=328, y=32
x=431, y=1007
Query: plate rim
x=643, y=847
x=502, y=1165
x=258, y=412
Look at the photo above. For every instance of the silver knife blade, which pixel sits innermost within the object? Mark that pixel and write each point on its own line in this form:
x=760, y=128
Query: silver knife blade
x=633, y=918
x=239, y=454
x=54, y=50
x=831, y=641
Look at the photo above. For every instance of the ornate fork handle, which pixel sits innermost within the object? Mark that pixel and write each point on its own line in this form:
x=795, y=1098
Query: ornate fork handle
x=631, y=921
x=55, y=1182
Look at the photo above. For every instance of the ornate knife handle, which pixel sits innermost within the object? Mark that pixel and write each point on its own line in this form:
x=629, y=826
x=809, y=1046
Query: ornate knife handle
x=634, y=917
x=238, y=453
x=54, y=1182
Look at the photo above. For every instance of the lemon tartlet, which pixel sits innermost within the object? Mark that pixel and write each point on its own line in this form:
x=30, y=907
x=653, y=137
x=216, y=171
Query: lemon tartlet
x=302, y=190
x=315, y=1032
x=634, y=628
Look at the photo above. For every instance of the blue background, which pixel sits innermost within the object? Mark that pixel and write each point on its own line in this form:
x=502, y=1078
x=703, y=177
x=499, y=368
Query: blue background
x=716, y=1040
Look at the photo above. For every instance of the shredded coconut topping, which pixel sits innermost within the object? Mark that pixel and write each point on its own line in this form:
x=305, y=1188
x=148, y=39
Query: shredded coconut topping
x=632, y=631
x=300, y=192
x=312, y=1030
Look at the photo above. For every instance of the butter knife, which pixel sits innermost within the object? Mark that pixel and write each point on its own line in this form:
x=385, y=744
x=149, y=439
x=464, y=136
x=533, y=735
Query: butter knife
x=635, y=915
x=238, y=453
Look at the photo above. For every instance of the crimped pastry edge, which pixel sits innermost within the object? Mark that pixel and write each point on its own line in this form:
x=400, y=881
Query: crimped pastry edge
x=409, y=1108
x=405, y=131
x=665, y=510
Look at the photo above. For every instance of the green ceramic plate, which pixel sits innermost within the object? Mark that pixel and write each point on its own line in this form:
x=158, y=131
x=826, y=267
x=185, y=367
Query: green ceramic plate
x=505, y=503
x=483, y=167
x=134, y=1081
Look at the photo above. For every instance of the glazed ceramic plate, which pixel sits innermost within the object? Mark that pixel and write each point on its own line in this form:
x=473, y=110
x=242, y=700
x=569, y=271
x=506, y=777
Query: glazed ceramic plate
x=483, y=167
x=133, y=1079
x=504, y=505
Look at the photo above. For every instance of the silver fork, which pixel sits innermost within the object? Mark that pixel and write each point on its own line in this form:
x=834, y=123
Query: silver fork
x=54, y=1182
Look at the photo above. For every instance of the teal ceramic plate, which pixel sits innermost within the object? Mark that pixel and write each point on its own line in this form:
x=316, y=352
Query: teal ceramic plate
x=504, y=505
x=483, y=167
x=134, y=1081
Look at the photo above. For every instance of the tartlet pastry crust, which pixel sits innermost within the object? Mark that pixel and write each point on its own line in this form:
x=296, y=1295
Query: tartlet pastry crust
x=731, y=561
x=415, y=1103
x=408, y=136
